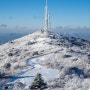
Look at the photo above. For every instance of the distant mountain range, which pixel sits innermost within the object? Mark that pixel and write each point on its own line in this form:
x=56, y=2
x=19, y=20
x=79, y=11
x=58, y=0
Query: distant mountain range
x=85, y=36
x=83, y=33
x=5, y=37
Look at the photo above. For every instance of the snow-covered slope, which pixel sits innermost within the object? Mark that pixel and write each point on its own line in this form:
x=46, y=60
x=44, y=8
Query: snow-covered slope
x=63, y=62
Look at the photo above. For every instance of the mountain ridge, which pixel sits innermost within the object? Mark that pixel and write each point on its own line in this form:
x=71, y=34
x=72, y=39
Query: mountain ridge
x=65, y=59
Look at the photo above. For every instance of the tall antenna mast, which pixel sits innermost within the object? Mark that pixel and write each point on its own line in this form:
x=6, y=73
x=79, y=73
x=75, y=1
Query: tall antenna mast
x=47, y=17
x=46, y=3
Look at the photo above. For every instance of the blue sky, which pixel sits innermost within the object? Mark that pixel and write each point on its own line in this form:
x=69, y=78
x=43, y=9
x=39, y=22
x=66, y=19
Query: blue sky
x=29, y=14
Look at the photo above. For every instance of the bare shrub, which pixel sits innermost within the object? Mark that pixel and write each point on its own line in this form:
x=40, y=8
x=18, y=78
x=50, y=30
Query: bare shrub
x=71, y=71
x=66, y=56
x=7, y=65
x=18, y=86
x=10, y=54
x=35, y=53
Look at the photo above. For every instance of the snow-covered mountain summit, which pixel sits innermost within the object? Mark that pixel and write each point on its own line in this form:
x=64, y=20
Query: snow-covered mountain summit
x=63, y=62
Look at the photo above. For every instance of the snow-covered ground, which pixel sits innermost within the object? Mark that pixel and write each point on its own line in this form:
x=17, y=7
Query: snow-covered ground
x=59, y=59
x=30, y=74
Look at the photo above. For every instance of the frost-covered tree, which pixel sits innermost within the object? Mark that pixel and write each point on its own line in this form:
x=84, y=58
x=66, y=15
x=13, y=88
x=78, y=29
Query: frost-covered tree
x=38, y=83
